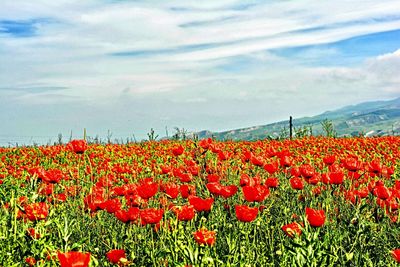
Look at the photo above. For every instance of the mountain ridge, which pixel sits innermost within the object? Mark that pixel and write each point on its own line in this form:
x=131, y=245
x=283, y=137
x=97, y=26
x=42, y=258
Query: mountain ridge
x=372, y=118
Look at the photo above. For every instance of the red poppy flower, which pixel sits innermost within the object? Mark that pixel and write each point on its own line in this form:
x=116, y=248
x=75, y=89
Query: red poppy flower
x=38, y=171
x=391, y=204
x=165, y=169
x=147, y=189
x=223, y=155
x=295, y=171
x=244, y=180
x=201, y=204
x=245, y=213
x=211, y=178
x=362, y=192
x=172, y=190
x=292, y=229
x=37, y=211
x=314, y=180
x=60, y=197
x=397, y=184
x=93, y=201
x=187, y=190
x=271, y=152
x=31, y=261
x=122, y=215
x=77, y=146
x=375, y=166
x=352, y=164
x=325, y=178
x=296, y=183
x=134, y=200
x=205, y=143
x=258, y=161
x=46, y=189
x=334, y=168
x=382, y=192
x=336, y=177
x=285, y=161
x=176, y=172
x=185, y=177
x=215, y=148
x=204, y=236
x=115, y=256
x=315, y=217
x=228, y=191
x=247, y=180
x=178, y=150
x=184, y=213
x=307, y=171
x=396, y=254
x=388, y=172
x=256, y=193
x=112, y=205
x=132, y=214
x=247, y=156
x=271, y=168
x=151, y=216
x=272, y=182
x=193, y=170
x=329, y=160
x=53, y=176
x=74, y=259
x=214, y=188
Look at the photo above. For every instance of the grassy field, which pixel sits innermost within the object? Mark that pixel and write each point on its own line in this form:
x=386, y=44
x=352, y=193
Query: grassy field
x=302, y=202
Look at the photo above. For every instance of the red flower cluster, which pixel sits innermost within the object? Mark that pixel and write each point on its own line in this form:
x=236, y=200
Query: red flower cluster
x=396, y=255
x=189, y=178
x=37, y=211
x=151, y=216
x=177, y=151
x=257, y=193
x=292, y=229
x=117, y=256
x=184, y=213
x=205, y=237
x=201, y=204
x=245, y=213
x=78, y=146
x=74, y=259
x=296, y=183
x=315, y=217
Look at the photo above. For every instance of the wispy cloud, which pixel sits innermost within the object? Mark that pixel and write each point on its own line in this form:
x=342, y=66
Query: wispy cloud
x=33, y=88
x=18, y=28
x=158, y=52
x=348, y=52
x=178, y=59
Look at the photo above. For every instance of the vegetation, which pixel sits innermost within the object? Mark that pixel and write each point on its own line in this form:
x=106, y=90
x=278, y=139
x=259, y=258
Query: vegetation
x=302, y=202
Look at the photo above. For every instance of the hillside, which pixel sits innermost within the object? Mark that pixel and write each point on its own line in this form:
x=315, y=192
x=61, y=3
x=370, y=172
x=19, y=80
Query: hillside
x=376, y=118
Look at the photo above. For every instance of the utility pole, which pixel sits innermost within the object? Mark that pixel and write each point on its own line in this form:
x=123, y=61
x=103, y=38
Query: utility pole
x=290, y=127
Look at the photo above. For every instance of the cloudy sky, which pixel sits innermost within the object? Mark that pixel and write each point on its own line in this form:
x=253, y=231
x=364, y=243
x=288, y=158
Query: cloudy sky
x=128, y=66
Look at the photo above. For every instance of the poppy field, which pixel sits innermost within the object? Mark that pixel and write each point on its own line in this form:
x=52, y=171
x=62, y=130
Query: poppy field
x=315, y=201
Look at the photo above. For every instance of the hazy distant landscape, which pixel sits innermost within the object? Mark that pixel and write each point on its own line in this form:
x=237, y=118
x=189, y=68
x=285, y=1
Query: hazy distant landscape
x=378, y=118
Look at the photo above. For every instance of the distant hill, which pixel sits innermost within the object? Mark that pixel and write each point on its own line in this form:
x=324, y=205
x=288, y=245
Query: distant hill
x=376, y=118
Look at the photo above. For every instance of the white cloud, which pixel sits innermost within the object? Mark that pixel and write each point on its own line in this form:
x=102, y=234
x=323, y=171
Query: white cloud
x=73, y=48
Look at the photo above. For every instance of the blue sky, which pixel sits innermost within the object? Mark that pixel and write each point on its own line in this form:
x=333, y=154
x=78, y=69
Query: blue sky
x=128, y=66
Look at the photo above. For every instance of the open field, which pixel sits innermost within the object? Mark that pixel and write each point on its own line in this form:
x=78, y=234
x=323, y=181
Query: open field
x=302, y=202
